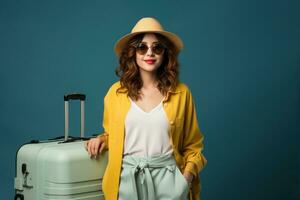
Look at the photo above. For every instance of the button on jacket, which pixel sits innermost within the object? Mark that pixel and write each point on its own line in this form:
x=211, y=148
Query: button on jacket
x=184, y=134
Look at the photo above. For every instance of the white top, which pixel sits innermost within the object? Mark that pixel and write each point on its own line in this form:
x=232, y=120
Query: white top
x=146, y=133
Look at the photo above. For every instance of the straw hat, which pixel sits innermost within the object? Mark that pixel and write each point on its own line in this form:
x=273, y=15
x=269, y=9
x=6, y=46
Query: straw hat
x=147, y=25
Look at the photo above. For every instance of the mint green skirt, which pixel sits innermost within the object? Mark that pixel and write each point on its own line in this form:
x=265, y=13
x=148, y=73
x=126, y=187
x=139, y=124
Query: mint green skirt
x=152, y=178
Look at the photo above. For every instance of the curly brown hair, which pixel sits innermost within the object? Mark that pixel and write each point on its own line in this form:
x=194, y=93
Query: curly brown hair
x=128, y=71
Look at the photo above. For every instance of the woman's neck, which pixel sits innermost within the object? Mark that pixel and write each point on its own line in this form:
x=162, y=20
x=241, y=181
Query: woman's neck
x=149, y=79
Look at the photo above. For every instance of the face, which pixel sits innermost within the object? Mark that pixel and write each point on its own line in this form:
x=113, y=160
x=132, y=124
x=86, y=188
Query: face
x=152, y=59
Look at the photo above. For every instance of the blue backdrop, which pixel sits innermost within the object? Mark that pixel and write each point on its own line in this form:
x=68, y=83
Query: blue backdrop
x=241, y=60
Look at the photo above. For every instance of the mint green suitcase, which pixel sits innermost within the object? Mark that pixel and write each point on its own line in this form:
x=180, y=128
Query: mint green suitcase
x=60, y=168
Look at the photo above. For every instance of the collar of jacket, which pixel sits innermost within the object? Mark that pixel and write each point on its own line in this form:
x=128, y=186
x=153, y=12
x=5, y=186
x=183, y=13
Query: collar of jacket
x=166, y=98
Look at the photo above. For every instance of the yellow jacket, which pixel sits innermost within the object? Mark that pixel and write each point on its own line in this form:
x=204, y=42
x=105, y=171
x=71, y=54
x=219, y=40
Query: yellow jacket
x=184, y=134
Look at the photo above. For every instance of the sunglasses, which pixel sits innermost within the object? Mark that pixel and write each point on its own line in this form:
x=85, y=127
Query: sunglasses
x=156, y=48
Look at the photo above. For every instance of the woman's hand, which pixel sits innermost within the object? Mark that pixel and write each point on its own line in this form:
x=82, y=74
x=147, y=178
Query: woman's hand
x=188, y=177
x=94, y=146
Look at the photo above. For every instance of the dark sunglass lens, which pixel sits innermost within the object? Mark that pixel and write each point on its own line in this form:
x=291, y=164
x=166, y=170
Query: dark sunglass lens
x=142, y=48
x=158, y=49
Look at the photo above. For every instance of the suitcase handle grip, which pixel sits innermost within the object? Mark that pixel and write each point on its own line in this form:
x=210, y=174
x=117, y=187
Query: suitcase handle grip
x=74, y=96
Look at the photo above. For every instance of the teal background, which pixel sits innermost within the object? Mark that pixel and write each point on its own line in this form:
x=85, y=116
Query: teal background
x=241, y=60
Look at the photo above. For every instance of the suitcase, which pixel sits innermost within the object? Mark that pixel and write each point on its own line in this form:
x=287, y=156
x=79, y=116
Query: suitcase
x=59, y=168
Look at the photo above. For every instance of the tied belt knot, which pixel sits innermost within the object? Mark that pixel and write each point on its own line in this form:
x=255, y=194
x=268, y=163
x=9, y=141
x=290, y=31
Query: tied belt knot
x=140, y=167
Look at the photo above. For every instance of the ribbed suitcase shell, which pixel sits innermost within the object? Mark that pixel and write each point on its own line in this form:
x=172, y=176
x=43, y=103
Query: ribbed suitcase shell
x=55, y=170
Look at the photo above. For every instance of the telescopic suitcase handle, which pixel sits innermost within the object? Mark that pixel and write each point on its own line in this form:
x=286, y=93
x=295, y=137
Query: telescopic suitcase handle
x=67, y=98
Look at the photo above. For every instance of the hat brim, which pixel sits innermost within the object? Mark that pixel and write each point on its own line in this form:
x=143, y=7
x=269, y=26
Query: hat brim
x=120, y=44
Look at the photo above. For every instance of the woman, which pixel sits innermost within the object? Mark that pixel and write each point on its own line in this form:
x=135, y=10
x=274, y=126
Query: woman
x=151, y=129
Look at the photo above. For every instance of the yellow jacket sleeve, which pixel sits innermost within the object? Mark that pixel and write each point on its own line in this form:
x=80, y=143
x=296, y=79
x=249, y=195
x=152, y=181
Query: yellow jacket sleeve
x=193, y=139
x=105, y=136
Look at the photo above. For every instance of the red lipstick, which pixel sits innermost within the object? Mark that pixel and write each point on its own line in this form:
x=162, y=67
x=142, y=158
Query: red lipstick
x=150, y=61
